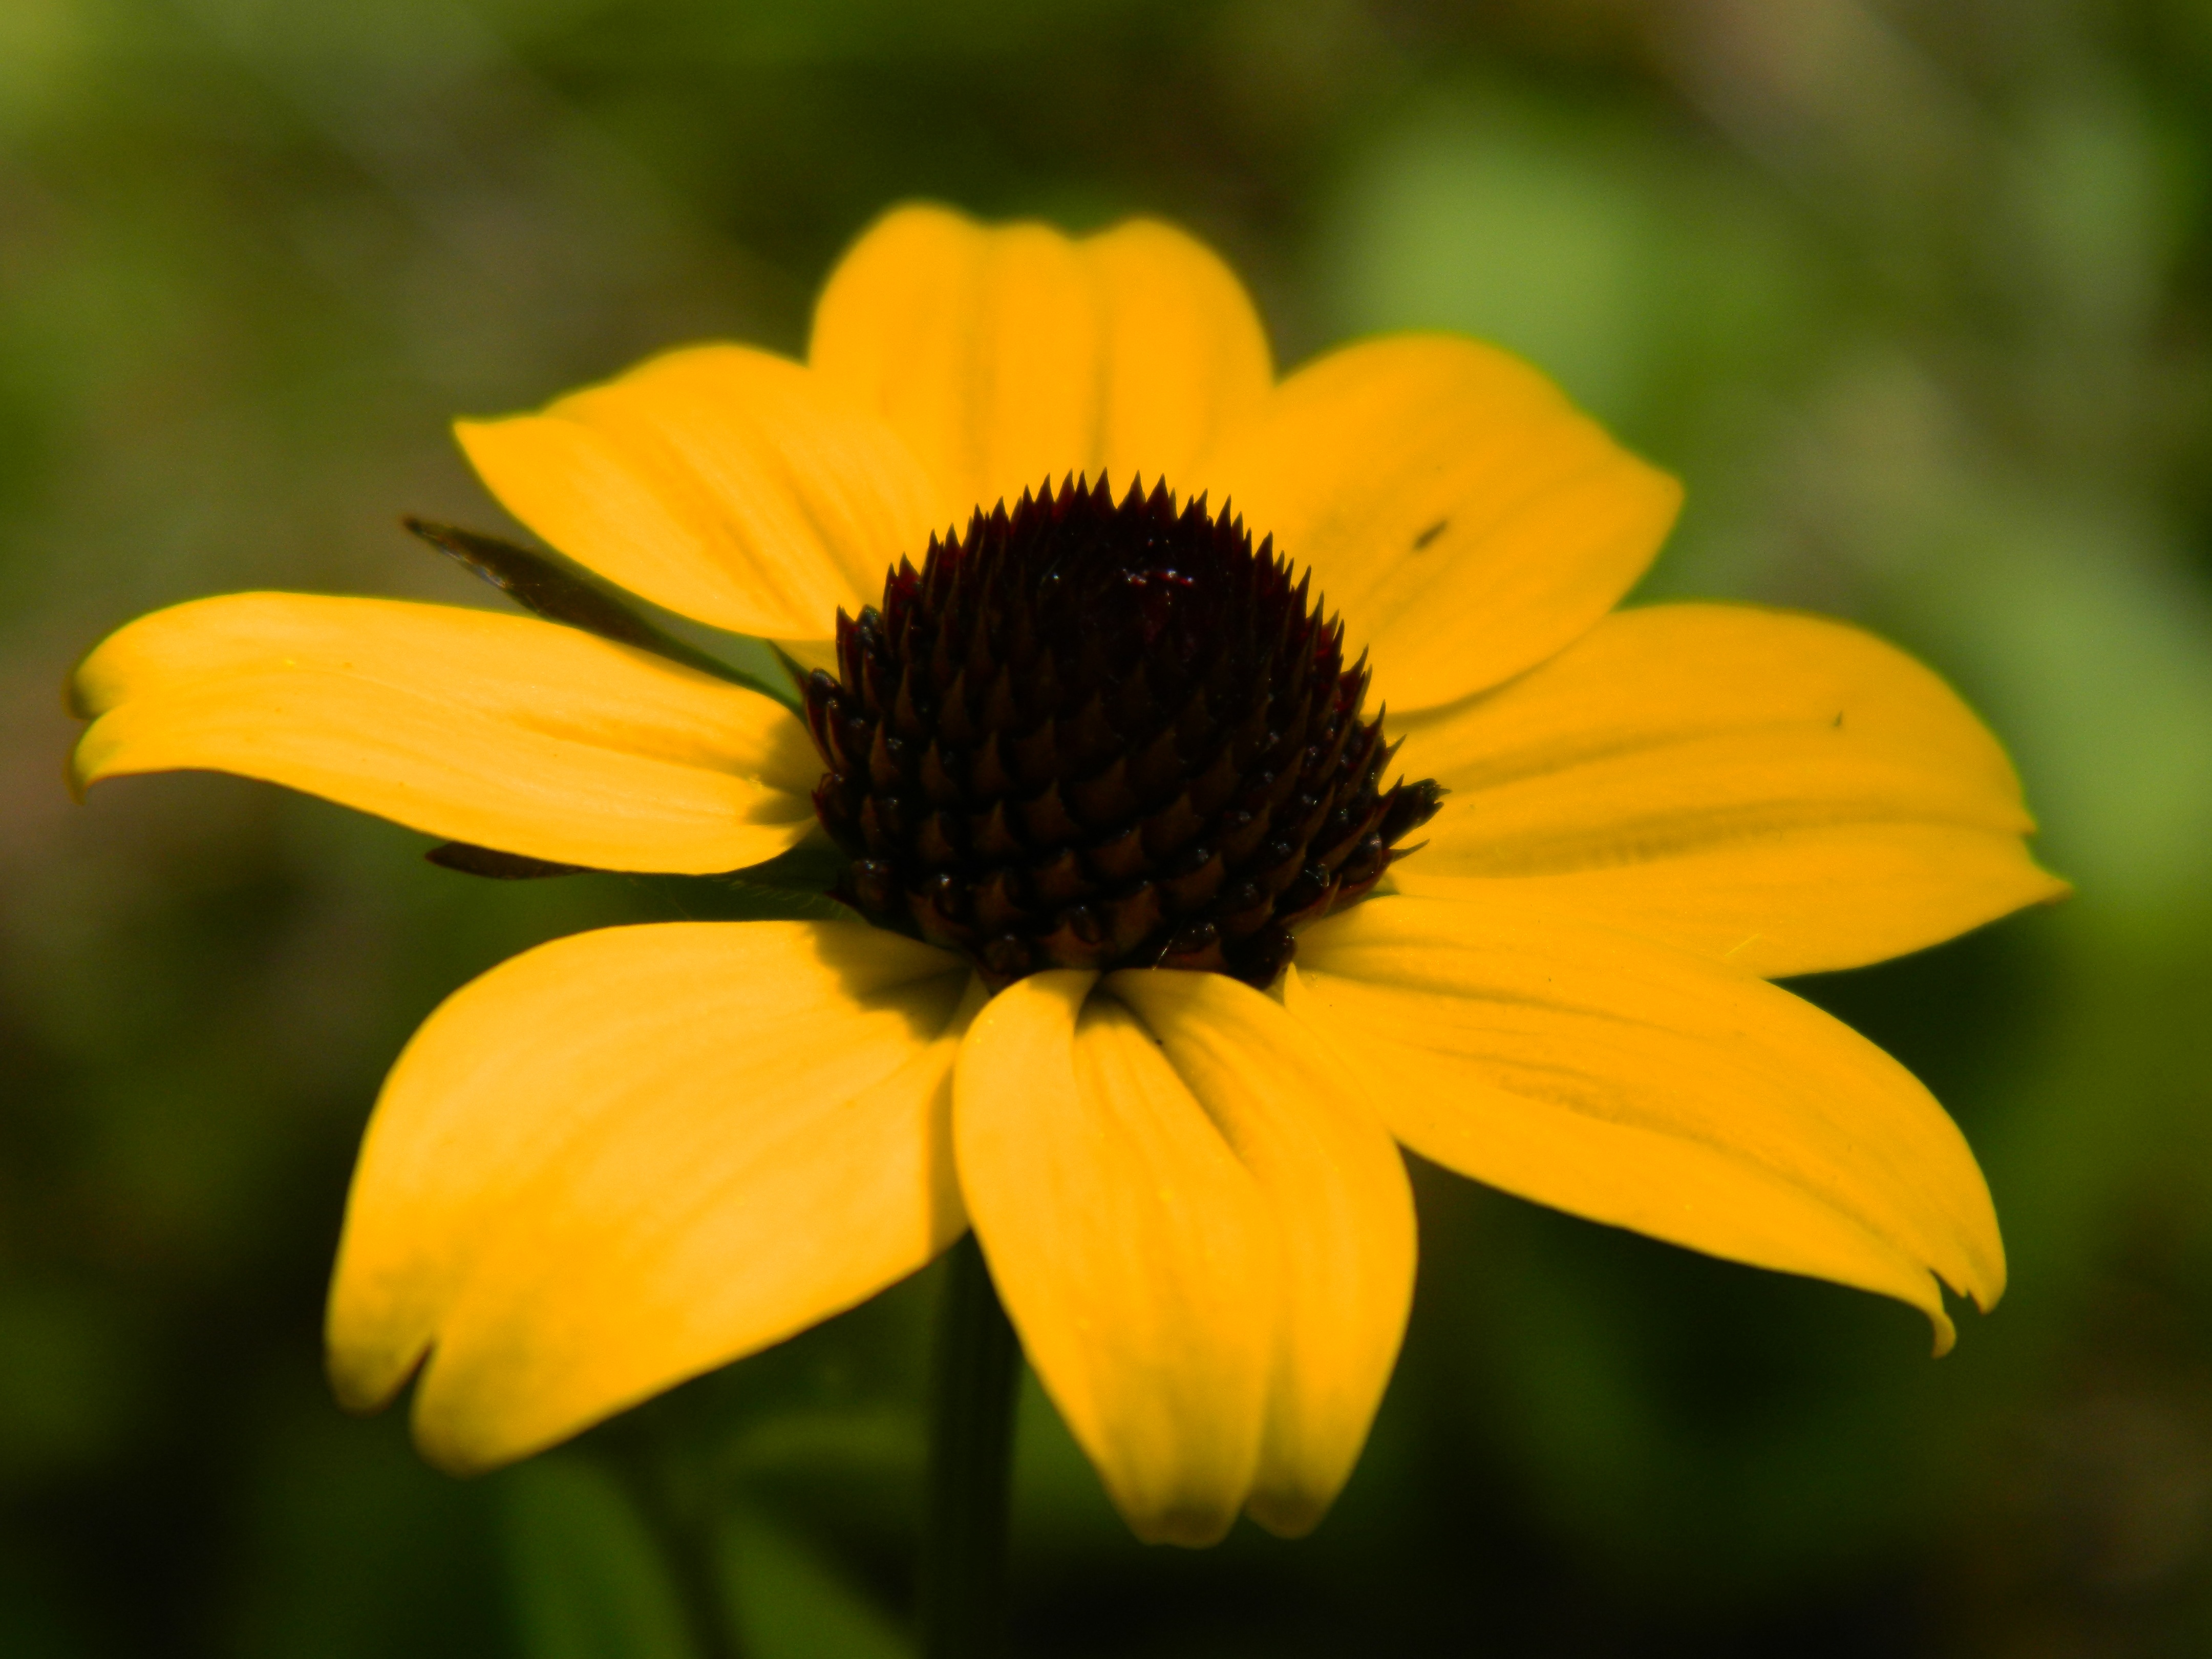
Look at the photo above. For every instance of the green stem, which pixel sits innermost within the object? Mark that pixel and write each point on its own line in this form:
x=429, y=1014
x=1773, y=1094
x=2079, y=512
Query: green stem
x=971, y=1445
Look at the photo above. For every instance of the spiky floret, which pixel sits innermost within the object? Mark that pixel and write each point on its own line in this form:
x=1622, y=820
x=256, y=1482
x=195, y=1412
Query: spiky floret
x=1092, y=734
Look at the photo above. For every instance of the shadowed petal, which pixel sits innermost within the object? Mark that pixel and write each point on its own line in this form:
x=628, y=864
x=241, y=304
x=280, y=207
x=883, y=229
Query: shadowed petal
x=1785, y=792
x=501, y=731
x=1336, y=1189
x=1641, y=1085
x=628, y=1157
x=721, y=483
x=1006, y=355
x=1461, y=514
x=1135, y=1254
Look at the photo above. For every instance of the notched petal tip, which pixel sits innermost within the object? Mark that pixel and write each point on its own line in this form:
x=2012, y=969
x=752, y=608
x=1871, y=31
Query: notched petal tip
x=1189, y=1529
x=1289, y=1515
x=77, y=694
x=1988, y=1288
x=771, y=1094
x=1649, y=1089
x=452, y=1451
x=99, y=755
x=365, y=1383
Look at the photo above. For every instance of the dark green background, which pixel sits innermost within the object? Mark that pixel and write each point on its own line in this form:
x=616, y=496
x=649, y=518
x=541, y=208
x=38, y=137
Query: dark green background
x=1916, y=297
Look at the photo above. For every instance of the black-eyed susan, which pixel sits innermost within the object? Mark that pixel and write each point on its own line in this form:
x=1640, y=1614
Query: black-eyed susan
x=1208, y=839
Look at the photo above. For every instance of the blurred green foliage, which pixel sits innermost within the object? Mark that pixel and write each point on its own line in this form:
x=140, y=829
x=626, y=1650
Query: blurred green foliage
x=1915, y=296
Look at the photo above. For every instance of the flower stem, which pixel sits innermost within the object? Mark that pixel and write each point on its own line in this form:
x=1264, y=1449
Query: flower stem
x=971, y=1444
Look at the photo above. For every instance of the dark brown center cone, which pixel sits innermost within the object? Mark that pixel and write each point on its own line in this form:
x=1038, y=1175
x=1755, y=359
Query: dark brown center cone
x=1088, y=734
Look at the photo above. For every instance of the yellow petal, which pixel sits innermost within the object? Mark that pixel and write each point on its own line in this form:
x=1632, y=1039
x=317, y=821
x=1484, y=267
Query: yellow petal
x=503, y=731
x=1336, y=1189
x=1006, y=355
x=1135, y=1253
x=628, y=1156
x=1452, y=505
x=719, y=482
x=1784, y=791
x=1643, y=1086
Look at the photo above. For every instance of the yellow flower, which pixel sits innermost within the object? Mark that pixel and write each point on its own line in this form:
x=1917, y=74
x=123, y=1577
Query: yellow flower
x=628, y=1156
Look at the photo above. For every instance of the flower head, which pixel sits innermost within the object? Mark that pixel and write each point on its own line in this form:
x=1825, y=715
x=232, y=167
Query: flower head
x=1143, y=987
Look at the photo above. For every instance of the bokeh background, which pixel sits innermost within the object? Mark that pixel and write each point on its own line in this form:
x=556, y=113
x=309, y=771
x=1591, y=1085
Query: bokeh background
x=1915, y=296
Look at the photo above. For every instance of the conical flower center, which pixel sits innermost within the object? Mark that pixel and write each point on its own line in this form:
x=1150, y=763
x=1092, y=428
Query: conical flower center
x=1097, y=735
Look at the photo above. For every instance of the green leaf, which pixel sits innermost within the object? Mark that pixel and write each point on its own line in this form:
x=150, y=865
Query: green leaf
x=589, y=1578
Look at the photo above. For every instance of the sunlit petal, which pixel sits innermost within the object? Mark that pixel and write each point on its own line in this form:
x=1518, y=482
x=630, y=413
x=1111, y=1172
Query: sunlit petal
x=1005, y=355
x=1781, y=791
x=1135, y=1255
x=628, y=1157
x=501, y=730
x=1336, y=1187
x=720, y=481
x=1641, y=1085
x=1463, y=516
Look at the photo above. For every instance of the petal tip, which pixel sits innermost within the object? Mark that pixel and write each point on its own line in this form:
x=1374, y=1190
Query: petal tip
x=1293, y=1514
x=77, y=775
x=78, y=696
x=98, y=756
x=1990, y=1289
x=461, y=1442
x=1946, y=1333
x=364, y=1384
x=1186, y=1527
x=453, y=1455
